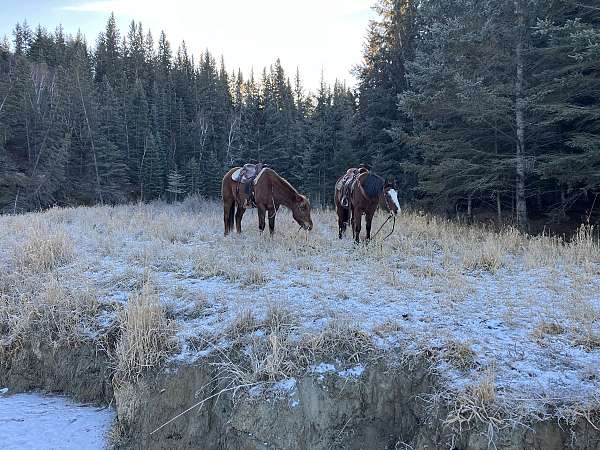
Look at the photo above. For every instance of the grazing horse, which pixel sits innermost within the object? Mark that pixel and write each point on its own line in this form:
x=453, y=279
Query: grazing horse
x=270, y=192
x=368, y=191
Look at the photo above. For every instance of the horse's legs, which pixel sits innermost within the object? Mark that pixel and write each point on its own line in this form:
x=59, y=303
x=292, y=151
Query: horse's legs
x=356, y=221
x=227, y=215
x=341, y=213
x=369, y=220
x=238, y=218
x=272, y=213
x=261, y=218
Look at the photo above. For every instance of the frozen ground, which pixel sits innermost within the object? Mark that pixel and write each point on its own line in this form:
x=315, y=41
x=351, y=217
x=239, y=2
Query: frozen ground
x=519, y=314
x=39, y=422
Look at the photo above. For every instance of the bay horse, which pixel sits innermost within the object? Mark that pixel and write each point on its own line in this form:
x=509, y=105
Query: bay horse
x=270, y=192
x=368, y=192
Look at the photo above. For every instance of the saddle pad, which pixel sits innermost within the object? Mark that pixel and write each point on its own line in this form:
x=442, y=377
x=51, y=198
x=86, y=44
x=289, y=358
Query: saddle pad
x=235, y=176
x=259, y=174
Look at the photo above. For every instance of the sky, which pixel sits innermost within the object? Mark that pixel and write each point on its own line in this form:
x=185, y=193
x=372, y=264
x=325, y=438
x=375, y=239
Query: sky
x=318, y=36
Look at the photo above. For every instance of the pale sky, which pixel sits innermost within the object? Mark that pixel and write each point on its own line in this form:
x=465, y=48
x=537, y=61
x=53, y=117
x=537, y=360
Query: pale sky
x=313, y=35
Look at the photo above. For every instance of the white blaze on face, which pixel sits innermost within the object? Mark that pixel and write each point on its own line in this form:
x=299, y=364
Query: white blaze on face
x=394, y=196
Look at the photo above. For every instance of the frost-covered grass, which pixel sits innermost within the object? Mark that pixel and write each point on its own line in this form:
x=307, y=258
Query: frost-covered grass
x=511, y=323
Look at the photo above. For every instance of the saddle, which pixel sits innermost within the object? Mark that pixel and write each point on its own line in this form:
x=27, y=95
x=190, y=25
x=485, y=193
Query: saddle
x=247, y=173
x=246, y=176
x=346, y=184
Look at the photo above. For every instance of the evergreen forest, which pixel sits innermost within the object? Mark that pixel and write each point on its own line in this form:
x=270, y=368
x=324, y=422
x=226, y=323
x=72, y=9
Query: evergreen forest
x=477, y=108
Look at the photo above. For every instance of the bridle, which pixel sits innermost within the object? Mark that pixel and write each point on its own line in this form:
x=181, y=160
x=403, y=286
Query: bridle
x=388, y=202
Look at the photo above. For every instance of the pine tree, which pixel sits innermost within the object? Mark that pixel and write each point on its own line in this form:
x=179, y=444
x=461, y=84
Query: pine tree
x=466, y=65
x=175, y=184
x=382, y=77
x=566, y=127
x=108, y=55
x=112, y=146
x=138, y=130
x=152, y=170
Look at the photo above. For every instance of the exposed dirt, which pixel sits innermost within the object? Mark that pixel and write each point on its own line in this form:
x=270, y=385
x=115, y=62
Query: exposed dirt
x=82, y=372
x=382, y=409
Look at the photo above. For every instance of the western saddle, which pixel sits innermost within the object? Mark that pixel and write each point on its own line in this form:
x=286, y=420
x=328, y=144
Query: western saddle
x=346, y=184
x=246, y=176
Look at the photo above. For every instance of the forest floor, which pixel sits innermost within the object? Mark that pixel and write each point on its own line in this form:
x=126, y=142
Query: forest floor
x=511, y=323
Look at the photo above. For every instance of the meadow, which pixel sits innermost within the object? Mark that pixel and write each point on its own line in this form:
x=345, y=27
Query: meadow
x=510, y=323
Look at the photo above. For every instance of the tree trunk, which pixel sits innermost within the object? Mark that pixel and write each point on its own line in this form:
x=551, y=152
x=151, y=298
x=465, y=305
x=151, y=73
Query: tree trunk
x=89, y=128
x=470, y=208
x=521, y=203
x=563, y=204
x=498, y=207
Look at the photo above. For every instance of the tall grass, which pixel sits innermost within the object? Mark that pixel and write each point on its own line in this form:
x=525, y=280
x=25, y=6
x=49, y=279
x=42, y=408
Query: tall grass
x=146, y=335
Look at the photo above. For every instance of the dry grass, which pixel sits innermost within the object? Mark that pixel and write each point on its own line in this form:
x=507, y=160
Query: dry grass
x=432, y=277
x=244, y=323
x=340, y=339
x=547, y=328
x=146, y=335
x=272, y=351
x=43, y=250
x=487, y=255
x=267, y=356
x=51, y=315
x=255, y=276
x=460, y=355
x=475, y=405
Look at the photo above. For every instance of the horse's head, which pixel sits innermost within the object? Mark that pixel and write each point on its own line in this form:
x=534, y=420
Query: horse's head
x=390, y=197
x=301, y=212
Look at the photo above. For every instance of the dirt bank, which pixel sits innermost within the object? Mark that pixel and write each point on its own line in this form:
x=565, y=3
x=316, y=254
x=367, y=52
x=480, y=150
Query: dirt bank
x=82, y=372
x=380, y=408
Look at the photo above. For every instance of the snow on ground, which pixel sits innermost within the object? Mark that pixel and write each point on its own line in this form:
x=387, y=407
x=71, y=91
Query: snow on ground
x=40, y=422
x=528, y=310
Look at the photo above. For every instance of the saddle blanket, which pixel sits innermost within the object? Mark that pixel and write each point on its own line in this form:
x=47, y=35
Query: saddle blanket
x=247, y=174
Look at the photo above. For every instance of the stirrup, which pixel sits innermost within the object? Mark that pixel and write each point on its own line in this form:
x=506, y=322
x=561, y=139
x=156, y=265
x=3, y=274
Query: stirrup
x=345, y=202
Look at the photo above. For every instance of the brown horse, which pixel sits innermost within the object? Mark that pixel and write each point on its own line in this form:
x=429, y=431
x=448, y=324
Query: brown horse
x=270, y=192
x=368, y=192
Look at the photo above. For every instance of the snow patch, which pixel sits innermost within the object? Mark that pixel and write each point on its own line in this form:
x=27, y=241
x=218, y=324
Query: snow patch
x=287, y=386
x=37, y=422
x=354, y=372
x=322, y=368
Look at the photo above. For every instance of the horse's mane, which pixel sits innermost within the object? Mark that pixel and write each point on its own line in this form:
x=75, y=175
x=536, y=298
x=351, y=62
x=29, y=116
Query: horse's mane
x=285, y=182
x=373, y=185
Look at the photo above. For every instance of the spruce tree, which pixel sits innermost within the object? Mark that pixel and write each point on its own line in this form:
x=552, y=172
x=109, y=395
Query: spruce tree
x=152, y=170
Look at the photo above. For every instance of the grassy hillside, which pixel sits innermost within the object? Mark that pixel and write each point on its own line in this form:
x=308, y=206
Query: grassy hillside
x=510, y=323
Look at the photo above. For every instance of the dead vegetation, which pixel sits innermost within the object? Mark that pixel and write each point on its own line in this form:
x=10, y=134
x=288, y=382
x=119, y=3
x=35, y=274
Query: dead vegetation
x=269, y=350
x=44, y=249
x=65, y=269
x=45, y=312
x=146, y=335
x=476, y=405
x=460, y=355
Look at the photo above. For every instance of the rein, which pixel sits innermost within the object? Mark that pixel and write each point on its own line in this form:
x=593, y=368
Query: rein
x=383, y=224
x=390, y=216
